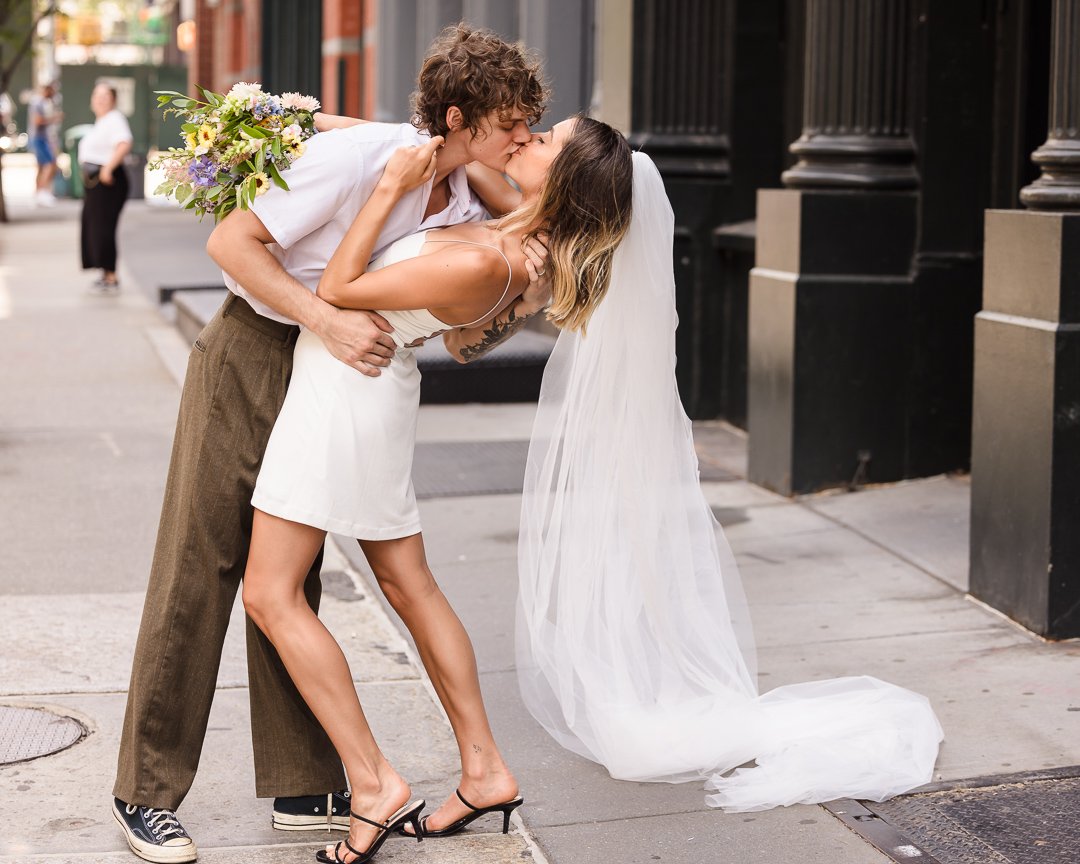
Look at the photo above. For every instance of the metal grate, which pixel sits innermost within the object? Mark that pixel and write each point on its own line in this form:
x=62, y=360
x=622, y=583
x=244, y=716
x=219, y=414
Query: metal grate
x=1013, y=819
x=27, y=733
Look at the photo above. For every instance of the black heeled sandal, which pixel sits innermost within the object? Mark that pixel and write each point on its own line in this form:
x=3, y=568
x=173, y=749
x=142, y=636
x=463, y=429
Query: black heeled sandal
x=410, y=813
x=506, y=808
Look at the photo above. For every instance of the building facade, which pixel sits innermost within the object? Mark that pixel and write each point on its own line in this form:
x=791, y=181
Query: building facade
x=832, y=165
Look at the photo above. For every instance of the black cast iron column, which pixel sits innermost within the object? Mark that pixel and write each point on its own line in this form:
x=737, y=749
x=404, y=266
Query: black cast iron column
x=830, y=292
x=682, y=94
x=1025, y=460
x=856, y=126
x=1059, y=158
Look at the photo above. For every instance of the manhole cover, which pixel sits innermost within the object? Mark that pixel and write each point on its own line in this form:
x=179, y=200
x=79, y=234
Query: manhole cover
x=1013, y=819
x=26, y=733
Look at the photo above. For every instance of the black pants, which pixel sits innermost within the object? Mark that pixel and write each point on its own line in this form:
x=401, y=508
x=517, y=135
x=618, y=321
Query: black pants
x=100, y=214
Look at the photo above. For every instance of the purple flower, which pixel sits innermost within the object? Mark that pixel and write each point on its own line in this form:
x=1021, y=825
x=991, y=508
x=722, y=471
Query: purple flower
x=203, y=171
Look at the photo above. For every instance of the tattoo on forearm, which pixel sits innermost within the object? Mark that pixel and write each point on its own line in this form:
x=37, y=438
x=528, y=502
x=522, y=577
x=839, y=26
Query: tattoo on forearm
x=498, y=332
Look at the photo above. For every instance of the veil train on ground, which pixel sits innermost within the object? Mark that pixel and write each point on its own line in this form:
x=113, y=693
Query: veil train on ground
x=634, y=643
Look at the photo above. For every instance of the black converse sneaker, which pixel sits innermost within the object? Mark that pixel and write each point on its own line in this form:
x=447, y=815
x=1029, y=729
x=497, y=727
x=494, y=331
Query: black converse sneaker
x=154, y=834
x=306, y=812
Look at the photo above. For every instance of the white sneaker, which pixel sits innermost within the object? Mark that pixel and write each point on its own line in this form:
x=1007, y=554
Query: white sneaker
x=101, y=288
x=44, y=198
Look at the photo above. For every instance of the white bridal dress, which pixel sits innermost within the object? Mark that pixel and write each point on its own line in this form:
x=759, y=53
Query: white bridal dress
x=341, y=452
x=634, y=645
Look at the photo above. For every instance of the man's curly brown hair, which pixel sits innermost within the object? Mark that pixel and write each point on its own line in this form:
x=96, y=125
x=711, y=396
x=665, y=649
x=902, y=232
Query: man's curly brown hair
x=480, y=73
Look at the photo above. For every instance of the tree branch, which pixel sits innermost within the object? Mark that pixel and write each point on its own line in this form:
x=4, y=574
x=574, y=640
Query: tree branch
x=8, y=71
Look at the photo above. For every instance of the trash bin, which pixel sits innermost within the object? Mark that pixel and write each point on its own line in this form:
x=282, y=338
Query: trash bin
x=72, y=137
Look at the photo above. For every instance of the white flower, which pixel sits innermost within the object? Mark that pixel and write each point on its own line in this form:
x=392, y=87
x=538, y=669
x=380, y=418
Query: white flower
x=298, y=102
x=242, y=91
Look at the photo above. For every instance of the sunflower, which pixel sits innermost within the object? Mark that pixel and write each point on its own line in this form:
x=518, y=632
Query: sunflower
x=260, y=181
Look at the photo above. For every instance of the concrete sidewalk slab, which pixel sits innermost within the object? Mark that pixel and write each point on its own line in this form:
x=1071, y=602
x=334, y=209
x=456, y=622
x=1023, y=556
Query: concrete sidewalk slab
x=927, y=522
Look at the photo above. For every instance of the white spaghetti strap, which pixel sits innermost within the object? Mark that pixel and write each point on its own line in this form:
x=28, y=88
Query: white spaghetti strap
x=509, y=277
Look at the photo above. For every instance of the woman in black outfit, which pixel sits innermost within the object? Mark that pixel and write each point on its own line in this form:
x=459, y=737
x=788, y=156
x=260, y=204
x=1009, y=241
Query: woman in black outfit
x=105, y=184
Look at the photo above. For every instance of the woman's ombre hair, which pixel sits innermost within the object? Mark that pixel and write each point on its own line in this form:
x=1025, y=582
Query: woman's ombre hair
x=584, y=208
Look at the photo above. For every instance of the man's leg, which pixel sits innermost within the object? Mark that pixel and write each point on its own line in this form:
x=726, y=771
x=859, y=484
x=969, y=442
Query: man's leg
x=192, y=586
x=235, y=385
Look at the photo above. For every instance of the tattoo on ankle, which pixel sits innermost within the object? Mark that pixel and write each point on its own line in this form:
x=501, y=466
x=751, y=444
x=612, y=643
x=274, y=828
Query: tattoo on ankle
x=476, y=748
x=496, y=333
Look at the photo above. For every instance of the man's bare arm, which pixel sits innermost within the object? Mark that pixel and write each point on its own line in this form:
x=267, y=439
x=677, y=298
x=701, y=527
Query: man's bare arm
x=359, y=339
x=465, y=345
x=493, y=189
x=326, y=122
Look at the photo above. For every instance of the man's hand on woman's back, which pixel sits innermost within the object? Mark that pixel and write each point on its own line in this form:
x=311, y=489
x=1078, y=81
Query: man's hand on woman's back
x=360, y=339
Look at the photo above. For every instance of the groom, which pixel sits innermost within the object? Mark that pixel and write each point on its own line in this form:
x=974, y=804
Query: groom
x=481, y=94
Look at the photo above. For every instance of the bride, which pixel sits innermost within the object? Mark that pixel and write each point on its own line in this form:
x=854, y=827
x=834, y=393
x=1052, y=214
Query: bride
x=340, y=454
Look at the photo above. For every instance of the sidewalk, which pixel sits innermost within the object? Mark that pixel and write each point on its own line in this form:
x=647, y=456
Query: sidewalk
x=867, y=583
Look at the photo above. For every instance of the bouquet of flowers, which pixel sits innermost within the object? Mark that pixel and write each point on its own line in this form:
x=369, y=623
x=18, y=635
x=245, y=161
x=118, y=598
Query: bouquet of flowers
x=236, y=145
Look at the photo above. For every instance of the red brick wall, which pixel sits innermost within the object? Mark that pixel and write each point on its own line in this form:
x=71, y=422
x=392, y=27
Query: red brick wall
x=342, y=20
x=227, y=40
x=226, y=43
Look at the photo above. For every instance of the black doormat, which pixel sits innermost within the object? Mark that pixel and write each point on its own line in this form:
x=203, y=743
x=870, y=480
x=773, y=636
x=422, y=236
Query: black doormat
x=1031, y=818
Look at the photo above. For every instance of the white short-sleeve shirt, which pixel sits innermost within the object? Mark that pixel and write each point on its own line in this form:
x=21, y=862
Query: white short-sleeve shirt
x=329, y=185
x=99, y=144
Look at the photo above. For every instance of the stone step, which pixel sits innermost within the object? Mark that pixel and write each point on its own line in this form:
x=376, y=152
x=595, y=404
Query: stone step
x=509, y=373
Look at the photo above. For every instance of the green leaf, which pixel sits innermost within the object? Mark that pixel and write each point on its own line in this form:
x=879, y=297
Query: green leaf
x=254, y=131
x=275, y=175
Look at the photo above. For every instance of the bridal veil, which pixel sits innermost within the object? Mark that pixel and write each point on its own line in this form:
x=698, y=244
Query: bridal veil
x=634, y=645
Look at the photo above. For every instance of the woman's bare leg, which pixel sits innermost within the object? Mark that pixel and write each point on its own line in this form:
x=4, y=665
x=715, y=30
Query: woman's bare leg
x=280, y=556
x=447, y=653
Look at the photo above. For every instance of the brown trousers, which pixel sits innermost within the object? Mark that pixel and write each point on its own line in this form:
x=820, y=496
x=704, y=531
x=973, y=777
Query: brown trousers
x=237, y=376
